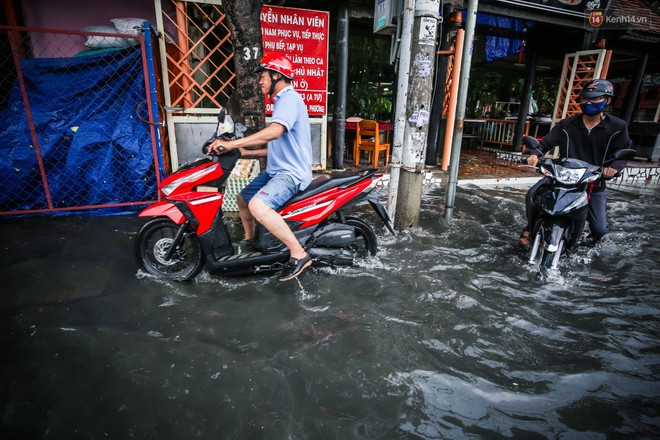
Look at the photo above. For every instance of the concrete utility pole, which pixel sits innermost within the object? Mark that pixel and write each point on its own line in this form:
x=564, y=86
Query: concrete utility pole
x=400, y=109
x=418, y=110
x=470, y=23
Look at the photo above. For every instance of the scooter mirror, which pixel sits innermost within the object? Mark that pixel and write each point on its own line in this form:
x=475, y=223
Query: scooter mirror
x=222, y=116
x=625, y=154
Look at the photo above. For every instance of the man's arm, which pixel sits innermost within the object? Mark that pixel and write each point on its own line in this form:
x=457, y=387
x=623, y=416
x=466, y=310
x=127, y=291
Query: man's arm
x=620, y=142
x=262, y=137
x=549, y=141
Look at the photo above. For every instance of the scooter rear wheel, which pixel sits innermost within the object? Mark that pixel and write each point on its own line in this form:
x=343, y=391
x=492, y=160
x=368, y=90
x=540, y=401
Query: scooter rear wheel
x=153, y=243
x=366, y=243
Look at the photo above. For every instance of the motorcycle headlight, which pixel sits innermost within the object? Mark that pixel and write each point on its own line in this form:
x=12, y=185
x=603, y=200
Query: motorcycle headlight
x=569, y=176
x=170, y=187
x=579, y=202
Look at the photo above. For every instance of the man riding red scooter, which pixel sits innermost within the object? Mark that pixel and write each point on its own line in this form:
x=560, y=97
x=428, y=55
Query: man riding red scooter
x=188, y=232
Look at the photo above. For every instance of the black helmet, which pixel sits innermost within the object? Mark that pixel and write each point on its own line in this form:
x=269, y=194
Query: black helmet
x=597, y=87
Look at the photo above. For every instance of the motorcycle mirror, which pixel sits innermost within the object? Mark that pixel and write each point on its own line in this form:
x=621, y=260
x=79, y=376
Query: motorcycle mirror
x=530, y=142
x=221, y=120
x=625, y=154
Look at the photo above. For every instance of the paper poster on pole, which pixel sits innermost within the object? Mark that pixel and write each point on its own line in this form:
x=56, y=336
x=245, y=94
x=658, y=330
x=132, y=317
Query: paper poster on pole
x=302, y=35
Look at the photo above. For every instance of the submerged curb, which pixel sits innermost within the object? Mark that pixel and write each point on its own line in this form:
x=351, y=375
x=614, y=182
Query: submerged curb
x=634, y=176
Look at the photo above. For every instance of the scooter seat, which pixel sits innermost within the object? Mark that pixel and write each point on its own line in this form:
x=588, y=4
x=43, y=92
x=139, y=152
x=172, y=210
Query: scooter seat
x=327, y=181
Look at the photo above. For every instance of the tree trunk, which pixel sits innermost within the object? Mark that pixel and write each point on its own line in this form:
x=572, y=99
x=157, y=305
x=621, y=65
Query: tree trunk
x=245, y=24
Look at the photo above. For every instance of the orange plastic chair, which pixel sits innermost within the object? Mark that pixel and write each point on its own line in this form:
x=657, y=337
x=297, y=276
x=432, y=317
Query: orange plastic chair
x=367, y=138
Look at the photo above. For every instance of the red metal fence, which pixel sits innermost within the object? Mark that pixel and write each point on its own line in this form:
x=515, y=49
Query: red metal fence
x=76, y=130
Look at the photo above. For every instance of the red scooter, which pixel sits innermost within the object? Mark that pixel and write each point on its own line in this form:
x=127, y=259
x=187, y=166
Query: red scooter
x=187, y=230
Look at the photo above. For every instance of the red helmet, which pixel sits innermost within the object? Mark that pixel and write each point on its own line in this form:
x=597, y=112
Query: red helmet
x=277, y=63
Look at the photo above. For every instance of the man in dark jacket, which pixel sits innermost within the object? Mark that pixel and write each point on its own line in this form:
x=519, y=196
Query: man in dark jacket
x=593, y=137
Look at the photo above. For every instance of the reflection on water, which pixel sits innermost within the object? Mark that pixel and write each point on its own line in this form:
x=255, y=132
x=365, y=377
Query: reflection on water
x=447, y=333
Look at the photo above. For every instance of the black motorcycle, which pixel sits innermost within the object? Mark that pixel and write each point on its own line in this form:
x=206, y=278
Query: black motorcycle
x=561, y=205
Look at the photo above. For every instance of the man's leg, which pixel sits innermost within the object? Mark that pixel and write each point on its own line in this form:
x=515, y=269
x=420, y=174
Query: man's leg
x=243, y=199
x=597, y=216
x=246, y=217
x=529, y=204
x=263, y=207
x=529, y=211
x=272, y=221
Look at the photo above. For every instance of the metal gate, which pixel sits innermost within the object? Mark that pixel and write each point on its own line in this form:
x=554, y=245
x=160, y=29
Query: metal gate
x=197, y=68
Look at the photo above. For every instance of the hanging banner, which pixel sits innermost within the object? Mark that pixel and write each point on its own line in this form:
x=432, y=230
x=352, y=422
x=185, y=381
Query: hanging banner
x=577, y=8
x=302, y=35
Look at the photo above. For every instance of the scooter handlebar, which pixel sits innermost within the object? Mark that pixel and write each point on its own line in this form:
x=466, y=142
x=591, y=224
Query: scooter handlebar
x=603, y=177
x=207, y=144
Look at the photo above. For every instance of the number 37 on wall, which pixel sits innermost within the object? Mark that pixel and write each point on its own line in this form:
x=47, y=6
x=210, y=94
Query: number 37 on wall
x=250, y=53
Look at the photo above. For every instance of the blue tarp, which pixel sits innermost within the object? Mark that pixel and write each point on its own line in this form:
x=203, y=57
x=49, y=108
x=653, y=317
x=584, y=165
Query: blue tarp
x=500, y=47
x=95, y=148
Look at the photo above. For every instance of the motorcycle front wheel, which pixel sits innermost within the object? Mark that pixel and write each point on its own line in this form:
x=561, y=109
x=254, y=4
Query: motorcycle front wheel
x=154, y=241
x=366, y=243
x=550, y=260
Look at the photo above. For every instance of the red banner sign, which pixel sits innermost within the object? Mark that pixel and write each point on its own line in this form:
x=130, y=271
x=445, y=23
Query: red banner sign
x=302, y=35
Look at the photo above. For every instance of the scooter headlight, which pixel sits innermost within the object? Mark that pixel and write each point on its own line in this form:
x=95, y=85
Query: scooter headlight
x=170, y=187
x=569, y=176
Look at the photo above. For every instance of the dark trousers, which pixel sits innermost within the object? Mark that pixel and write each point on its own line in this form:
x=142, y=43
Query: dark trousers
x=596, y=216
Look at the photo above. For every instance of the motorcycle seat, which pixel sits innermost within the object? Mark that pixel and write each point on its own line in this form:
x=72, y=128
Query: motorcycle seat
x=328, y=181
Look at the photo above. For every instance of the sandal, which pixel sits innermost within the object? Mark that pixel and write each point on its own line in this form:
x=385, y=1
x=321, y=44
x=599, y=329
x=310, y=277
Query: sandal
x=523, y=240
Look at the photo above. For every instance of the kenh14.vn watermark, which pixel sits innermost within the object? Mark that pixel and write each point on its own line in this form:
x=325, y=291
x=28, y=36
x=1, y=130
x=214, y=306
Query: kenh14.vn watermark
x=603, y=19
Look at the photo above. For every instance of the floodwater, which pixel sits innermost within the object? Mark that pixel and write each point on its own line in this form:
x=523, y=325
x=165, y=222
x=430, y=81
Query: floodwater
x=446, y=334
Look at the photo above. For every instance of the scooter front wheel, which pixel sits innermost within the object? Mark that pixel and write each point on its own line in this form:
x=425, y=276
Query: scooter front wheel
x=153, y=243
